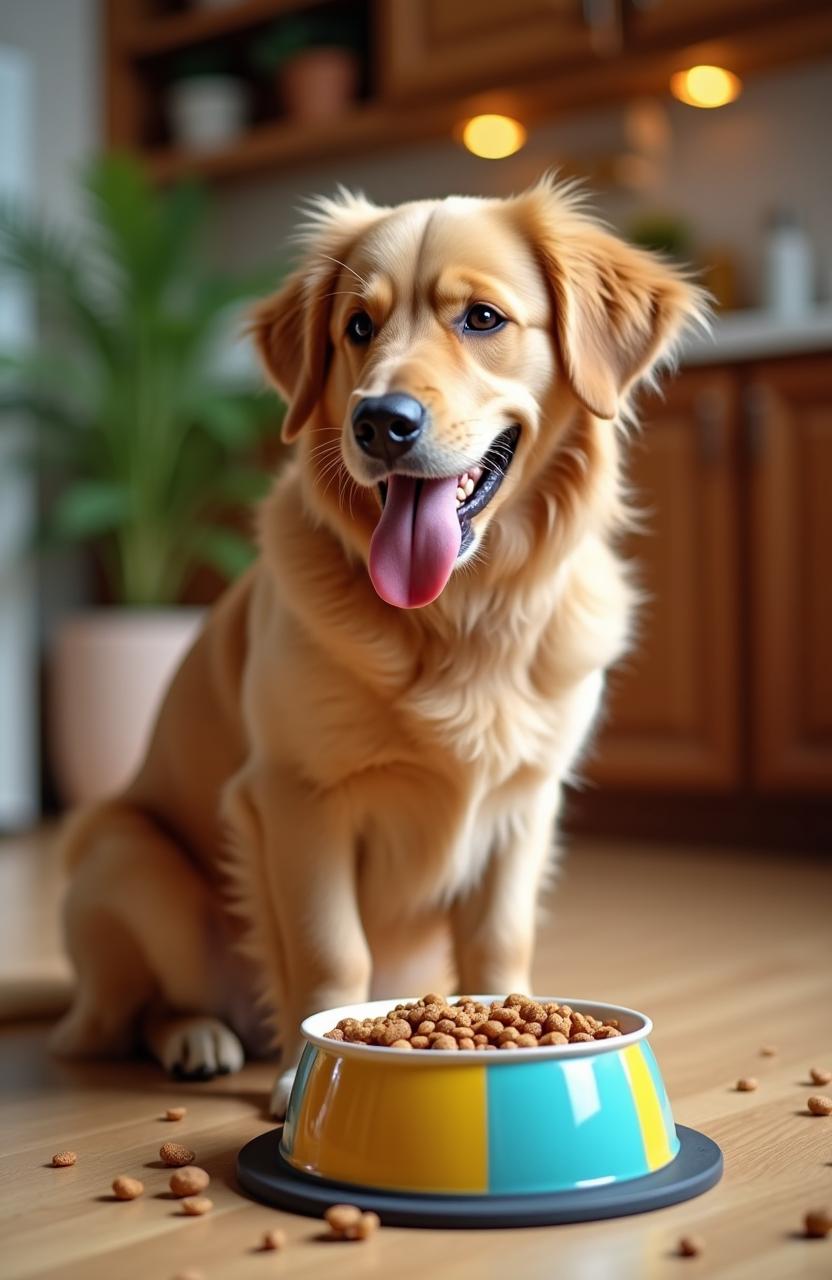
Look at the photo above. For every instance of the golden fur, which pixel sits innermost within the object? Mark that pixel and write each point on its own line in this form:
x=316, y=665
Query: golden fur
x=348, y=773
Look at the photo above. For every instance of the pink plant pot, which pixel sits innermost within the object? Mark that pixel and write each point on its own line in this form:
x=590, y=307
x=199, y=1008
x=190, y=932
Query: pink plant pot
x=318, y=84
x=109, y=672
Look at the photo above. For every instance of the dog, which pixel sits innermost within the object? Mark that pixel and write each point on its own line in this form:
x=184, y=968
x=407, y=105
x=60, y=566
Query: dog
x=370, y=736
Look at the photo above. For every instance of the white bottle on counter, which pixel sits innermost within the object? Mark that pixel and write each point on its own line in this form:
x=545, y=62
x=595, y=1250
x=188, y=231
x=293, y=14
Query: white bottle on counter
x=788, y=267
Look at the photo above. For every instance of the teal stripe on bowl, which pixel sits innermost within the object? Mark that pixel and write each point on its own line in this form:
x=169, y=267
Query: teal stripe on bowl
x=287, y=1141
x=556, y=1125
x=661, y=1094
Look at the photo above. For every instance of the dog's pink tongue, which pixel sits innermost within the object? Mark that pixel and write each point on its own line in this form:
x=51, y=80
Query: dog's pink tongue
x=416, y=541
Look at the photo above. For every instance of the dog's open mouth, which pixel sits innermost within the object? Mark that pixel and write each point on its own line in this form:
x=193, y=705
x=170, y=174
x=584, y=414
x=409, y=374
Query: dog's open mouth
x=425, y=525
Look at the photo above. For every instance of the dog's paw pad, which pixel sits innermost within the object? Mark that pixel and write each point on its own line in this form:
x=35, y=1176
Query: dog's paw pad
x=280, y=1094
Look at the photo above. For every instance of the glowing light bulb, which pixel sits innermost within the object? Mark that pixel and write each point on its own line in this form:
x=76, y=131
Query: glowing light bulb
x=493, y=137
x=705, y=86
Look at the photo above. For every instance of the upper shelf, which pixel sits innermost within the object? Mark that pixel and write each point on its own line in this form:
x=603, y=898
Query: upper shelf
x=755, y=334
x=176, y=31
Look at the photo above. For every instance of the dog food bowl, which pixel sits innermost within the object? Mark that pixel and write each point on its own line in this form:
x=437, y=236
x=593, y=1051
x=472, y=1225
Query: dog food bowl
x=562, y=1133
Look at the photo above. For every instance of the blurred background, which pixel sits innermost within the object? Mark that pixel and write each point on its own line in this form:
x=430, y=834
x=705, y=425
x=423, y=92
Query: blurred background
x=153, y=155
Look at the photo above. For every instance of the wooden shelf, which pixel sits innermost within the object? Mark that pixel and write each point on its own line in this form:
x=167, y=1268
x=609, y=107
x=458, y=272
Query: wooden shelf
x=270, y=146
x=152, y=36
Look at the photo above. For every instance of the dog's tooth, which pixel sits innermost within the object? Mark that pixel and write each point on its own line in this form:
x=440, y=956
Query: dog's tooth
x=460, y=494
x=468, y=487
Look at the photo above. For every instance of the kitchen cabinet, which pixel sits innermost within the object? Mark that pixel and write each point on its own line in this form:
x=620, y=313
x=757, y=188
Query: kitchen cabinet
x=670, y=721
x=790, y=418
x=728, y=688
x=431, y=45
x=671, y=20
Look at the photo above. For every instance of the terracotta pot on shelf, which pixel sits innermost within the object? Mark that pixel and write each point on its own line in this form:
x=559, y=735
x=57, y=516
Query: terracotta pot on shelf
x=108, y=674
x=319, y=83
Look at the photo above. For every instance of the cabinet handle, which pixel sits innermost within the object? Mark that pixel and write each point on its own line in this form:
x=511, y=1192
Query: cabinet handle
x=756, y=421
x=708, y=417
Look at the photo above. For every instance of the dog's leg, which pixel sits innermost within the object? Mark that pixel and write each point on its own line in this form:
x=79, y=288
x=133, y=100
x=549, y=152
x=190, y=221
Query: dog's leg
x=494, y=924
x=142, y=928
x=296, y=874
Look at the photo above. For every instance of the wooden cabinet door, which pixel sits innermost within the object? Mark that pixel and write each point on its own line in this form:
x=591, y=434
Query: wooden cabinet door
x=670, y=20
x=673, y=707
x=791, y=549
x=453, y=45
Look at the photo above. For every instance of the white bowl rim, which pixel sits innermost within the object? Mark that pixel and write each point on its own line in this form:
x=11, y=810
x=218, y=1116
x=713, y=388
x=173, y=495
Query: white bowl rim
x=313, y=1029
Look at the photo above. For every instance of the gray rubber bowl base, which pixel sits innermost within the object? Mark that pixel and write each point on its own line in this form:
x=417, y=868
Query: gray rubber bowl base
x=264, y=1174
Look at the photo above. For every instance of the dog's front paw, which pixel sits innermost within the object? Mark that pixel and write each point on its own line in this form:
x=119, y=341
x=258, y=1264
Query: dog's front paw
x=198, y=1048
x=280, y=1093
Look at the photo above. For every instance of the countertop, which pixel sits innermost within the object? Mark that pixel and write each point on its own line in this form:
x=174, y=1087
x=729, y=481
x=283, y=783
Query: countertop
x=753, y=335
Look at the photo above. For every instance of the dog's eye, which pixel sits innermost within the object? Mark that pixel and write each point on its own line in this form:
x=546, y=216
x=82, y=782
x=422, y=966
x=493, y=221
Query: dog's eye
x=482, y=319
x=360, y=328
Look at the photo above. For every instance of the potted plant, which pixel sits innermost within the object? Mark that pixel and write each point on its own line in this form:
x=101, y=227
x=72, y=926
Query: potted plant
x=207, y=104
x=140, y=443
x=315, y=58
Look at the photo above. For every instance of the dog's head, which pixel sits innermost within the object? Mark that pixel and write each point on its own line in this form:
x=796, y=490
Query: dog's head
x=428, y=354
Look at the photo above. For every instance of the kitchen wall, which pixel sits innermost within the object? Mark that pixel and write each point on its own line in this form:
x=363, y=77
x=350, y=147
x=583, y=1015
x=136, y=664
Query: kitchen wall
x=723, y=172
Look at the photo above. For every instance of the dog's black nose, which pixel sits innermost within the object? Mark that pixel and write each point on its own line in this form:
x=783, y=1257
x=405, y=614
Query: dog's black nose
x=387, y=426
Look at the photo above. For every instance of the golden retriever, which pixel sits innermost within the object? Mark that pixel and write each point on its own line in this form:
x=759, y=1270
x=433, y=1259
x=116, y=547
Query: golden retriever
x=370, y=736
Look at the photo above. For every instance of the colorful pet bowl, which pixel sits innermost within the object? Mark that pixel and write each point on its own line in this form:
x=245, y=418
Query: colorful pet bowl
x=558, y=1133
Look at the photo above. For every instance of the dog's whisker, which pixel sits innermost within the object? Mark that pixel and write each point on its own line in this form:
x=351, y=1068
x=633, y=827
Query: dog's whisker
x=346, y=267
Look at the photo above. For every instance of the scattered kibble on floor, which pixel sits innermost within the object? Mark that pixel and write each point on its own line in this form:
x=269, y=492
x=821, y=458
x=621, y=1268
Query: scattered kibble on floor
x=176, y=1113
x=196, y=1206
x=63, y=1159
x=820, y=1105
x=174, y=1153
x=127, y=1188
x=690, y=1246
x=347, y=1222
x=747, y=1084
x=189, y=1180
x=274, y=1239
x=768, y=1051
x=190, y=1274
x=819, y=1075
x=818, y=1223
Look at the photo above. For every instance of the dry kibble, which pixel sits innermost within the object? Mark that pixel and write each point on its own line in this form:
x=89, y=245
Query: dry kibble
x=197, y=1205
x=189, y=1181
x=747, y=1084
x=274, y=1239
x=63, y=1159
x=340, y=1217
x=690, y=1246
x=819, y=1104
x=768, y=1051
x=367, y=1225
x=190, y=1274
x=819, y=1075
x=175, y=1154
x=176, y=1113
x=434, y=1023
x=818, y=1223
x=507, y=1044
x=127, y=1188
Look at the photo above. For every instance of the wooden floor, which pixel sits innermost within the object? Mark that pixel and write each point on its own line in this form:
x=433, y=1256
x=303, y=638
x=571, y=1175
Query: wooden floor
x=727, y=952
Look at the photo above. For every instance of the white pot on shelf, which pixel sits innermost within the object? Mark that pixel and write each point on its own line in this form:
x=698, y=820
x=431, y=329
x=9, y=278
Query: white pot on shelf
x=109, y=672
x=207, y=112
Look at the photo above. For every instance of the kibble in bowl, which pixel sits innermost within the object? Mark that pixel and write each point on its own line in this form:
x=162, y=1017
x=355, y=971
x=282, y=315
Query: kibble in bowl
x=480, y=1095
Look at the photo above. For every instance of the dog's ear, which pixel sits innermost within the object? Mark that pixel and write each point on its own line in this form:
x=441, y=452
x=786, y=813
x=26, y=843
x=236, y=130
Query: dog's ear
x=291, y=328
x=618, y=310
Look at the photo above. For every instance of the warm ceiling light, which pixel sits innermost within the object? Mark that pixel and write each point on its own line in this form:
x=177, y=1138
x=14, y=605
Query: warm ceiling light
x=705, y=86
x=493, y=137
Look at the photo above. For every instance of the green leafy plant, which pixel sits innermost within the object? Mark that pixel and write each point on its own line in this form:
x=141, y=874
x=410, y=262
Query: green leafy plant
x=148, y=443
x=298, y=32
